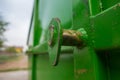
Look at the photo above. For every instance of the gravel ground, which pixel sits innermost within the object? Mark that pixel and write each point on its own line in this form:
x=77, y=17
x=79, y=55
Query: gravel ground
x=14, y=75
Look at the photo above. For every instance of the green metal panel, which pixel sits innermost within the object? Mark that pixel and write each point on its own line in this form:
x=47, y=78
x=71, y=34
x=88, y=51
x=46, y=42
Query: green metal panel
x=89, y=65
x=45, y=71
x=108, y=3
x=110, y=61
x=80, y=14
x=95, y=6
x=97, y=60
x=37, y=28
x=114, y=64
x=106, y=28
x=32, y=67
x=49, y=9
x=45, y=10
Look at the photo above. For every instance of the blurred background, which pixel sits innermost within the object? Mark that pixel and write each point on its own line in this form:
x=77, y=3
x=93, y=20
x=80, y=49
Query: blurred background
x=15, y=18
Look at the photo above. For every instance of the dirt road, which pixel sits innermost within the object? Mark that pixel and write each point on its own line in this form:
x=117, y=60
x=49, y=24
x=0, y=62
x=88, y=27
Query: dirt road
x=16, y=75
x=16, y=64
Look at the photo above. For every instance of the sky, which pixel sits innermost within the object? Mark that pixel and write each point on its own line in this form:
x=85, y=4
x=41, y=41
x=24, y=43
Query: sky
x=18, y=14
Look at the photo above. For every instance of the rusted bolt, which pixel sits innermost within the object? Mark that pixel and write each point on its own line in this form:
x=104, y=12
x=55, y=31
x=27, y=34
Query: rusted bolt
x=58, y=37
x=71, y=38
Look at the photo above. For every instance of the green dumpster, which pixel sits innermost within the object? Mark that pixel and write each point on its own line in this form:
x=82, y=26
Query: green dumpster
x=74, y=40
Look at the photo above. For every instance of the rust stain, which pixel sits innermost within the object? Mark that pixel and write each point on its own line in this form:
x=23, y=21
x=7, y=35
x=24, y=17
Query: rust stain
x=119, y=4
x=115, y=7
x=81, y=71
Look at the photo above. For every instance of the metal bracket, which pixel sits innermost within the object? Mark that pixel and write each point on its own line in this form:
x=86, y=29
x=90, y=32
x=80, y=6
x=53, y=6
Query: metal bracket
x=58, y=37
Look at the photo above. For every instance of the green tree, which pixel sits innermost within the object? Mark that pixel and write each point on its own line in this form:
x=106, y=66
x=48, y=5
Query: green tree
x=3, y=25
x=11, y=49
